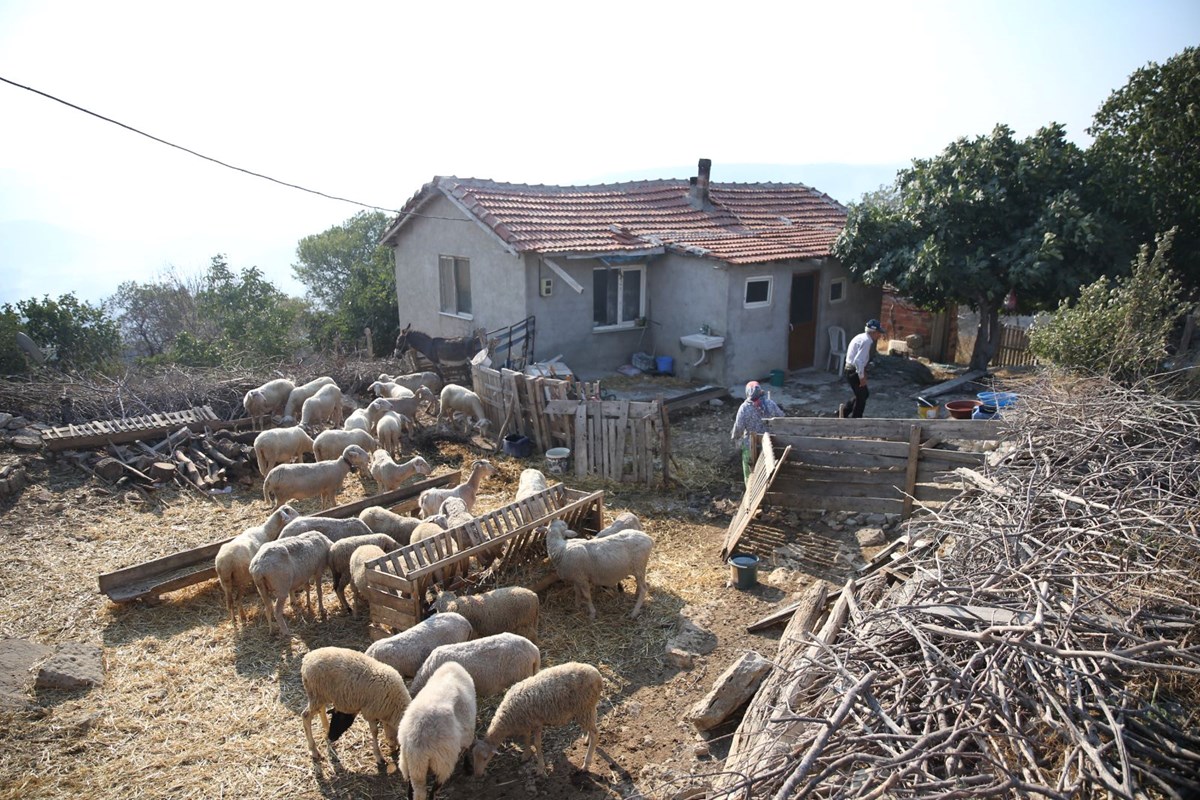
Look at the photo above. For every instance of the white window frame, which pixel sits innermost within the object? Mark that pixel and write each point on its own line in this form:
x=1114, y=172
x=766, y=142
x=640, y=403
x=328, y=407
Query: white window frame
x=455, y=312
x=837, y=282
x=770, y=281
x=622, y=269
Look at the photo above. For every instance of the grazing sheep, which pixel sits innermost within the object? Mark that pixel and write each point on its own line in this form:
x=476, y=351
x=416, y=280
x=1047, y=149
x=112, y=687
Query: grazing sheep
x=585, y=563
x=233, y=559
x=555, y=696
x=390, y=430
x=431, y=499
x=341, y=553
x=266, y=400
x=334, y=529
x=323, y=407
x=358, y=421
x=390, y=475
x=532, y=482
x=495, y=662
x=409, y=406
x=625, y=521
x=459, y=398
x=296, y=399
x=281, y=446
x=380, y=520
x=331, y=443
x=358, y=572
x=283, y=567
x=412, y=380
x=437, y=729
x=408, y=649
x=324, y=478
x=511, y=608
x=382, y=388
x=353, y=683
x=452, y=514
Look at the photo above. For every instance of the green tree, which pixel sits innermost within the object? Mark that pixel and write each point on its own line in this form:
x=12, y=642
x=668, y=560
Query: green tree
x=986, y=217
x=154, y=313
x=72, y=333
x=1147, y=151
x=351, y=277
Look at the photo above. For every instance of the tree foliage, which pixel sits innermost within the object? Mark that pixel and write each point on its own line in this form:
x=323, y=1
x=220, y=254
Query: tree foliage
x=352, y=277
x=1116, y=328
x=986, y=217
x=1147, y=151
x=154, y=313
x=71, y=333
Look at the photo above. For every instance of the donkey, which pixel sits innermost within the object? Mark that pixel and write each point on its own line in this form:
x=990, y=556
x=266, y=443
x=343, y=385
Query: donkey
x=440, y=352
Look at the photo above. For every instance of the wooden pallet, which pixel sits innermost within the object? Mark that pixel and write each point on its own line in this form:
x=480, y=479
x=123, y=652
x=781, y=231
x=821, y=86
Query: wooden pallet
x=397, y=582
x=115, y=431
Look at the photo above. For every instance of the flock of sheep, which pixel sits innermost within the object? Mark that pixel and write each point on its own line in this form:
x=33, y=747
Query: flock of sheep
x=472, y=647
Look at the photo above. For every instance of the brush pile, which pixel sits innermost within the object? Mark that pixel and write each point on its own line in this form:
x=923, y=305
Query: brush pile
x=1045, y=643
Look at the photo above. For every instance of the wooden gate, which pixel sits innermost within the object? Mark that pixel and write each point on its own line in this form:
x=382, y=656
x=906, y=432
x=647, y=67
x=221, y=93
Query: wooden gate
x=1014, y=348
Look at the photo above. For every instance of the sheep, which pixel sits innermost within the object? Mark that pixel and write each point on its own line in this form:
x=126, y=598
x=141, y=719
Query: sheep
x=284, y=566
x=414, y=379
x=334, y=529
x=437, y=729
x=358, y=420
x=323, y=407
x=353, y=683
x=329, y=444
x=625, y=521
x=495, y=662
x=266, y=400
x=233, y=559
x=555, y=696
x=407, y=650
x=324, y=478
x=599, y=562
x=296, y=399
x=430, y=526
x=390, y=430
x=459, y=398
x=431, y=499
x=390, y=475
x=388, y=389
x=452, y=514
x=342, y=551
x=281, y=446
x=532, y=482
x=409, y=406
x=358, y=572
x=380, y=520
x=511, y=608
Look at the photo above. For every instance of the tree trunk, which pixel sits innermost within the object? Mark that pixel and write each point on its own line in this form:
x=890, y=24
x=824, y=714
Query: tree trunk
x=987, y=335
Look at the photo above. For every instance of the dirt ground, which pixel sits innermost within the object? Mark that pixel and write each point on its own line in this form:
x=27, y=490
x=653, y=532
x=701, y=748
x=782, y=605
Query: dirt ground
x=192, y=706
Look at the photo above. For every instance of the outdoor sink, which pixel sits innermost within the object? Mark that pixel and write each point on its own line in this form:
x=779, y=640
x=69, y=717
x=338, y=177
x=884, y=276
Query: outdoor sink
x=702, y=342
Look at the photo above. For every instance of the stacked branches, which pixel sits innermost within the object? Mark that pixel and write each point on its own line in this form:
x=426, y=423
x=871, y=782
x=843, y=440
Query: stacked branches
x=1045, y=645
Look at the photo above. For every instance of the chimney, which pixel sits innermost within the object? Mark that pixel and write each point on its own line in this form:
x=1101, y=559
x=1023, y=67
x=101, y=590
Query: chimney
x=699, y=185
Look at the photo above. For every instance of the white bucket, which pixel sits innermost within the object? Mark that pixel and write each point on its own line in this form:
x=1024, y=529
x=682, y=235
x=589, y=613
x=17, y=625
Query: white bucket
x=556, y=460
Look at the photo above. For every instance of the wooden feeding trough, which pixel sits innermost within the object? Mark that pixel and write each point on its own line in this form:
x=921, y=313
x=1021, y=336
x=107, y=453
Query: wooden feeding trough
x=397, y=582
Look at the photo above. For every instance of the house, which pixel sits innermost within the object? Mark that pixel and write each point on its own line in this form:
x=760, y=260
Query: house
x=611, y=270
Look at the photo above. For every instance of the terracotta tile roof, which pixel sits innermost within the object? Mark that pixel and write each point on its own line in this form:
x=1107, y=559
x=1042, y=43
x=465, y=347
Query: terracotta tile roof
x=745, y=223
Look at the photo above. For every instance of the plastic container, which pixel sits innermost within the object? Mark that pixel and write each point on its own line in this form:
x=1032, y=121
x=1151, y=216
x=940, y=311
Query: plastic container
x=517, y=445
x=665, y=364
x=744, y=568
x=928, y=412
x=557, y=459
x=777, y=376
x=962, y=409
x=997, y=399
x=985, y=412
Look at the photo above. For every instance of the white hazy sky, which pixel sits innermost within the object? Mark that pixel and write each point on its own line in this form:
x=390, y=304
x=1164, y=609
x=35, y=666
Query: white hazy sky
x=370, y=100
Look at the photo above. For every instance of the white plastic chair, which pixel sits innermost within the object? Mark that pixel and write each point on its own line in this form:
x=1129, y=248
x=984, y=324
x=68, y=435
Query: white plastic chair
x=837, y=348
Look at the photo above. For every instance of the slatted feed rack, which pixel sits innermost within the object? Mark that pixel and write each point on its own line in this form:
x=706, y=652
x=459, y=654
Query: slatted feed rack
x=397, y=582
x=99, y=432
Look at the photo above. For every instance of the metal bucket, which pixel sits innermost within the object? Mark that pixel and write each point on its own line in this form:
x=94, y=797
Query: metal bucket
x=557, y=459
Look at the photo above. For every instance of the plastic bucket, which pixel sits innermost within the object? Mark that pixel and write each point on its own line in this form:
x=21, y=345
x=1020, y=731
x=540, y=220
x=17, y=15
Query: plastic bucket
x=744, y=567
x=517, y=445
x=557, y=458
x=777, y=377
x=928, y=412
x=997, y=399
x=665, y=364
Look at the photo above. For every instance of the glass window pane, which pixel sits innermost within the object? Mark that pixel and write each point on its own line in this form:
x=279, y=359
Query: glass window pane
x=757, y=291
x=631, y=295
x=446, y=283
x=599, y=296
x=462, y=285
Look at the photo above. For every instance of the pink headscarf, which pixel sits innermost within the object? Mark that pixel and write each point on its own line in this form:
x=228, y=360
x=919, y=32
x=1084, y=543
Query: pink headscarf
x=754, y=392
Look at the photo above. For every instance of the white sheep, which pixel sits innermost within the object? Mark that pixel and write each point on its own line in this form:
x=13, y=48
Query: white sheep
x=430, y=526
x=233, y=559
x=532, y=481
x=390, y=475
x=331, y=443
x=380, y=520
x=358, y=572
x=625, y=521
x=437, y=729
x=281, y=446
x=296, y=399
x=412, y=380
x=334, y=529
x=555, y=696
x=495, y=662
x=353, y=683
x=407, y=650
x=585, y=563
x=358, y=420
x=390, y=430
x=511, y=608
x=266, y=400
x=389, y=389
x=409, y=406
x=431, y=500
x=341, y=553
x=281, y=568
x=323, y=479
x=323, y=407
x=459, y=398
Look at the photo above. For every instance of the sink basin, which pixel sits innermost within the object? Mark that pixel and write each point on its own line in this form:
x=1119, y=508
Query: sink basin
x=702, y=341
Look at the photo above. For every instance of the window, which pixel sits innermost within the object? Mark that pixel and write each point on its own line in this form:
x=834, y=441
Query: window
x=454, y=277
x=618, y=300
x=837, y=290
x=758, y=292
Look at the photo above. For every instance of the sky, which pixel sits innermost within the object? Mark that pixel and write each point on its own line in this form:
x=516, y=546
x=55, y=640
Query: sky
x=370, y=100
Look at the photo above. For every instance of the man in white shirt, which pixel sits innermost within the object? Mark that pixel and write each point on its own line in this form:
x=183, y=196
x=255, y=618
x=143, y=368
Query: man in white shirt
x=858, y=353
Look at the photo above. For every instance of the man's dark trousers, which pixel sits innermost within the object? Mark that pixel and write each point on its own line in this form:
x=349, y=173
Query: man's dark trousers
x=858, y=404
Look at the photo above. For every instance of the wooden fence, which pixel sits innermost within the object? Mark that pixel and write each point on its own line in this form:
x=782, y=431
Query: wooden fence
x=1014, y=348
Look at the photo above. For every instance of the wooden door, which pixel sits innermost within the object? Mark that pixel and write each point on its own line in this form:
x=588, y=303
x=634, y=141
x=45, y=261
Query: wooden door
x=802, y=321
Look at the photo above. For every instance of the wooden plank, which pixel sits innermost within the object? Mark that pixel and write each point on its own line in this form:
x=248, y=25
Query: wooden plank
x=144, y=577
x=766, y=467
x=581, y=440
x=622, y=426
x=891, y=429
x=846, y=460
x=694, y=398
x=793, y=471
x=910, y=477
x=825, y=444
x=951, y=385
x=384, y=612
x=870, y=505
x=97, y=436
x=881, y=489
x=393, y=498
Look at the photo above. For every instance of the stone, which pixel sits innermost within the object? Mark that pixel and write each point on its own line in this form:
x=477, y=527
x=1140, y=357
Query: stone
x=16, y=422
x=28, y=443
x=692, y=638
x=870, y=537
x=75, y=665
x=731, y=691
x=680, y=659
x=17, y=658
x=5, y=418
x=876, y=519
x=701, y=750
x=781, y=577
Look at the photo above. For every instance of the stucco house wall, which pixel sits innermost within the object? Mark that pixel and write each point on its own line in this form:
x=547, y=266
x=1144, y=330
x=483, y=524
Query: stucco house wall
x=686, y=293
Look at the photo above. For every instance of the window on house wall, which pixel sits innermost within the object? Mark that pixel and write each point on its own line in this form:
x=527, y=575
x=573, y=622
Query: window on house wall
x=619, y=297
x=758, y=292
x=837, y=290
x=454, y=276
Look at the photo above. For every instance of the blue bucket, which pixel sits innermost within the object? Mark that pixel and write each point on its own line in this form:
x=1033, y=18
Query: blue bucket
x=997, y=399
x=665, y=364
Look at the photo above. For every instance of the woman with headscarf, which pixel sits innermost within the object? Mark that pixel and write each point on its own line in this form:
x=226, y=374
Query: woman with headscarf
x=750, y=421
